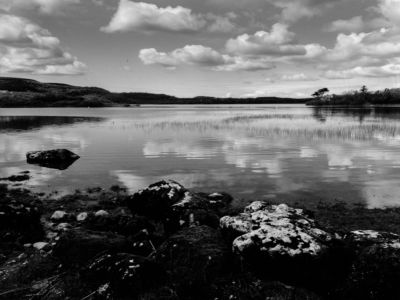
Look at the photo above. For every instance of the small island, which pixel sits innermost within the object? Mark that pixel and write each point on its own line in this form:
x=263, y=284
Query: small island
x=362, y=97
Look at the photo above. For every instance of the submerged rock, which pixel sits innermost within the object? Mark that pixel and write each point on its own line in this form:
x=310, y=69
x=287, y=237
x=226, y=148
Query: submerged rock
x=57, y=159
x=276, y=230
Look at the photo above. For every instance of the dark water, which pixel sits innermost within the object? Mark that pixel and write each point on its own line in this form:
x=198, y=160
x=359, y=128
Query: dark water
x=285, y=153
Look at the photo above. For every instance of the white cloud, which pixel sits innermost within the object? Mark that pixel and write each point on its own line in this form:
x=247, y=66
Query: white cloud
x=354, y=24
x=276, y=42
x=375, y=71
x=43, y=6
x=27, y=47
x=198, y=55
x=391, y=10
x=297, y=77
x=146, y=17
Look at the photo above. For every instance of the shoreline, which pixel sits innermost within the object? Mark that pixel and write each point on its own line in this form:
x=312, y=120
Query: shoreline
x=97, y=220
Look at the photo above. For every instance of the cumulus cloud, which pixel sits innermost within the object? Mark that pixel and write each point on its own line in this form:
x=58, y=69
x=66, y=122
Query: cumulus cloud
x=292, y=11
x=198, y=55
x=391, y=10
x=43, y=6
x=279, y=41
x=297, y=77
x=373, y=71
x=146, y=17
x=27, y=47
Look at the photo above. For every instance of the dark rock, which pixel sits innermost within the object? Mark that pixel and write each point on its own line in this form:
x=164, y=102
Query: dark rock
x=376, y=270
x=194, y=257
x=17, y=178
x=125, y=274
x=156, y=200
x=19, y=222
x=77, y=246
x=248, y=288
x=56, y=159
x=176, y=207
x=197, y=209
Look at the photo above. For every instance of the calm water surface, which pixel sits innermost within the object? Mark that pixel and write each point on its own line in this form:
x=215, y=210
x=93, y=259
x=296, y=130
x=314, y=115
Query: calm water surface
x=285, y=153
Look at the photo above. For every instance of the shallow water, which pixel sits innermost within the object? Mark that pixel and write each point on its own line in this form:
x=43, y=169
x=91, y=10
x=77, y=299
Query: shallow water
x=285, y=153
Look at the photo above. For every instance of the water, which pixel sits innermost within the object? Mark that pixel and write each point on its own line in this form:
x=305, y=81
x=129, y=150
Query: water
x=284, y=153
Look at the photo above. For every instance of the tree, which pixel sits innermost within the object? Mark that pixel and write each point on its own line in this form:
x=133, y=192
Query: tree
x=320, y=93
x=364, y=89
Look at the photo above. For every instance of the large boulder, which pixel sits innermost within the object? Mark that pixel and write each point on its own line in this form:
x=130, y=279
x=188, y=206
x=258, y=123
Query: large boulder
x=193, y=258
x=283, y=243
x=177, y=207
x=376, y=270
x=56, y=159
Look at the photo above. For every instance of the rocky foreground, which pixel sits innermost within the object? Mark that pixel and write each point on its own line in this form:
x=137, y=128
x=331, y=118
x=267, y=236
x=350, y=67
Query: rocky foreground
x=167, y=242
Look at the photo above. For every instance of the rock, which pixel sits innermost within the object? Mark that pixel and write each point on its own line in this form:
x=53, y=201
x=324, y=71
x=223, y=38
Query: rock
x=19, y=222
x=376, y=269
x=194, y=256
x=17, y=178
x=101, y=213
x=171, y=203
x=197, y=209
x=243, y=288
x=40, y=245
x=76, y=246
x=82, y=216
x=156, y=200
x=125, y=274
x=63, y=227
x=59, y=215
x=58, y=159
x=282, y=243
x=119, y=223
x=276, y=230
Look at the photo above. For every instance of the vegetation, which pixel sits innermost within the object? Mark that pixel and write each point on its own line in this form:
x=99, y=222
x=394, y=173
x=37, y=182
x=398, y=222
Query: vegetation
x=361, y=97
x=18, y=92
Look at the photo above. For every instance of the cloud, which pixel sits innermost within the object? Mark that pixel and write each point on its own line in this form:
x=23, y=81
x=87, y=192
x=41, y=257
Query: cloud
x=292, y=11
x=27, y=47
x=43, y=6
x=375, y=71
x=297, y=77
x=146, y=17
x=276, y=42
x=354, y=24
x=391, y=10
x=198, y=55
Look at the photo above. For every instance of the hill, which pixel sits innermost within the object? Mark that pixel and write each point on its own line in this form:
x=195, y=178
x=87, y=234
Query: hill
x=20, y=92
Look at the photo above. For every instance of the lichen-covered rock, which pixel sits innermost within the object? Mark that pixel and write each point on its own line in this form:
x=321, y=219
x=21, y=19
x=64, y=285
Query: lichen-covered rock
x=156, y=200
x=360, y=239
x=277, y=230
x=125, y=274
x=57, y=159
x=59, y=215
x=194, y=256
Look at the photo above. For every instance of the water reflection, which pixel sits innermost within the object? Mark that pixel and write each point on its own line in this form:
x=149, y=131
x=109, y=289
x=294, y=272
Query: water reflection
x=25, y=123
x=281, y=153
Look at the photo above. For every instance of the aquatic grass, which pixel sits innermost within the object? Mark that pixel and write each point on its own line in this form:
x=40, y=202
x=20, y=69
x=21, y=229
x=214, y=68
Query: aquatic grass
x=262, y=126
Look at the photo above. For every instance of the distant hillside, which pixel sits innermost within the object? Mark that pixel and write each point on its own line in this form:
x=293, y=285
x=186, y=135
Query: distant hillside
x=19, y=92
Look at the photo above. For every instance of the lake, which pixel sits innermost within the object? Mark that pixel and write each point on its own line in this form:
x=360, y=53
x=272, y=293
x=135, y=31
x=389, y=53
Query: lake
x=283, y=153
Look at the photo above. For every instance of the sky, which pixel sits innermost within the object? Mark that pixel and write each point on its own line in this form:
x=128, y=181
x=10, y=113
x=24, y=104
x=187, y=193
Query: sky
x=221, y=48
